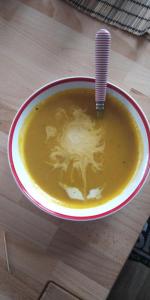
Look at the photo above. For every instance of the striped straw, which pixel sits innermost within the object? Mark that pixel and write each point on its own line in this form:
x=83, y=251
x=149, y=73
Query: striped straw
x=103, y=40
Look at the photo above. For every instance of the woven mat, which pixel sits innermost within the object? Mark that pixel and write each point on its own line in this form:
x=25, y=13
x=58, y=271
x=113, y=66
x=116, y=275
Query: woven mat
x=141, y=250
x=129, y=15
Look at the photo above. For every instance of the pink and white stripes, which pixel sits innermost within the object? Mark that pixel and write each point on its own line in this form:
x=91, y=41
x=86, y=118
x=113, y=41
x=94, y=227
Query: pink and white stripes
x=103, y=41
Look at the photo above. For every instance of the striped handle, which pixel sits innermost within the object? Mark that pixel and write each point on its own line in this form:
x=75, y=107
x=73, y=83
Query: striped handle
x=103, y=40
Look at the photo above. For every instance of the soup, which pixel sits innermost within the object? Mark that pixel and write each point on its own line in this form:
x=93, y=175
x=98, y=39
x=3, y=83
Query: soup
x=78, y=159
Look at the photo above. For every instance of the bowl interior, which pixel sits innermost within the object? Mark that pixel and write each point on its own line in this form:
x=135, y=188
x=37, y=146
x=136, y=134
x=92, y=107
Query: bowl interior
x=45, y=201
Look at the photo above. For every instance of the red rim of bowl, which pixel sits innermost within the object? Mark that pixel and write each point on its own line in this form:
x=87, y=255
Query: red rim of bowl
x=21, y=186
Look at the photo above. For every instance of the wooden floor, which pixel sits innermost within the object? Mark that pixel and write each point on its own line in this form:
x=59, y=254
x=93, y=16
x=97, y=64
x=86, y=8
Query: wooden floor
x=40, y=41
x=133, y=283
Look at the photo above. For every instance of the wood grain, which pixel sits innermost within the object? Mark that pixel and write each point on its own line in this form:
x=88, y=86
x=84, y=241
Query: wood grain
x=42, y=41
x=133, y=283
x=54, y=291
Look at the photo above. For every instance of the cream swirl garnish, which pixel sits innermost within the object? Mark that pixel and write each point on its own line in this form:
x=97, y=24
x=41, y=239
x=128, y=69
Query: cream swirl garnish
x=78, y=142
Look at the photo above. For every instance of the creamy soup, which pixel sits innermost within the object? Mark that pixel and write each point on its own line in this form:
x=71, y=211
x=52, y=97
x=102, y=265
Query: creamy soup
x=77, y=158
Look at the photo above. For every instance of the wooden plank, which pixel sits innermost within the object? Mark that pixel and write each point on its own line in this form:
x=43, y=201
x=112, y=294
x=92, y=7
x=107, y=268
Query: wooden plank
x=54, y=291
x=28, y=225
x=12, y=289
x=132, y=284
x=78, y=283
x=82, y=257
x=122, y=42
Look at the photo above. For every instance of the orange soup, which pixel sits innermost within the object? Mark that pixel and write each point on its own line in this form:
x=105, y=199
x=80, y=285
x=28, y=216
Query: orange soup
x=79, y=159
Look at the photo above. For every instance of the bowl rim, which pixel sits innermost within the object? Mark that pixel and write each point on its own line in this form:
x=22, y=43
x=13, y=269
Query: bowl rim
x=12, y=166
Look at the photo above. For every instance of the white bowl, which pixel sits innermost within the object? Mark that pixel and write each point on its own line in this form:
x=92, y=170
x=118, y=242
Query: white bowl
x=42, y=199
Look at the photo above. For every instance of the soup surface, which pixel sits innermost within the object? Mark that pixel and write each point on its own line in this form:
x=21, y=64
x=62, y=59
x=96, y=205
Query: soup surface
x=77, y=158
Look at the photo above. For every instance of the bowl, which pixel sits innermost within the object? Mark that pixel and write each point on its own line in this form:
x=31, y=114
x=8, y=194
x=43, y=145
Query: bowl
x=40, y=198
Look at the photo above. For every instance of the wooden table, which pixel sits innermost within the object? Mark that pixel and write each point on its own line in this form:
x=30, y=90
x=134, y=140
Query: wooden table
x=41, y=41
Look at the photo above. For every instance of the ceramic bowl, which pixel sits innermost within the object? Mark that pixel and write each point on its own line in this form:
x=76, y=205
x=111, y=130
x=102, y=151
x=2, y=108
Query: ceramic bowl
x=39, y=197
